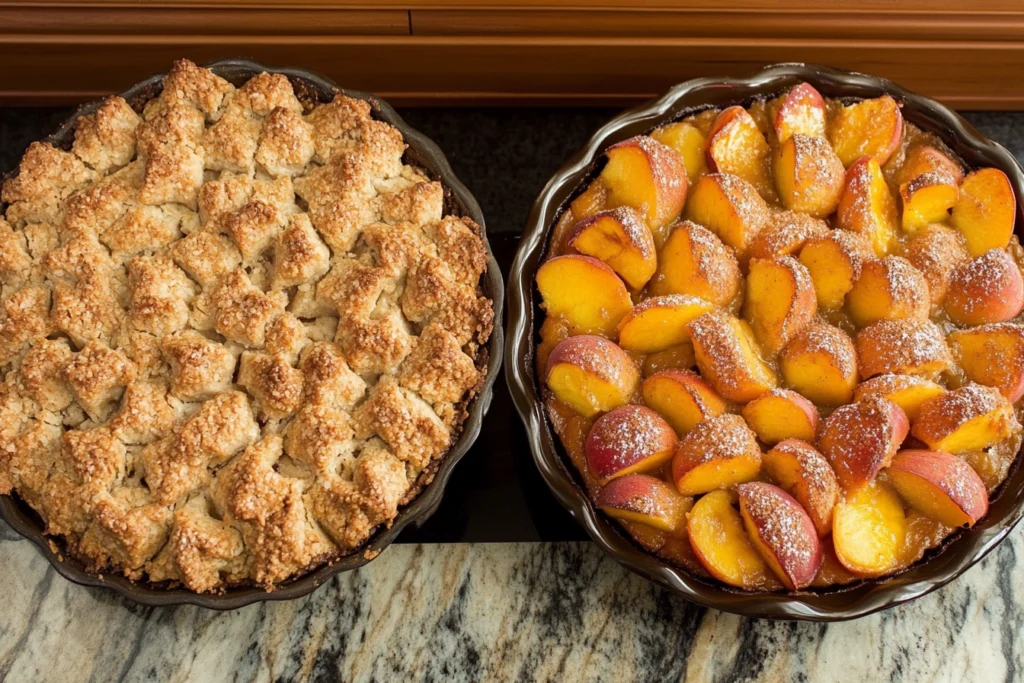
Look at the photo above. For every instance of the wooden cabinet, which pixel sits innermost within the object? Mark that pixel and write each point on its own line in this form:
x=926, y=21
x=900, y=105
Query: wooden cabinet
x=483, y=51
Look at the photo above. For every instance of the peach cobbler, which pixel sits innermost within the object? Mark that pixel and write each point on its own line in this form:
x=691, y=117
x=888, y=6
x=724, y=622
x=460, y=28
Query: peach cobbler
x=783, y=344
x=237, y=331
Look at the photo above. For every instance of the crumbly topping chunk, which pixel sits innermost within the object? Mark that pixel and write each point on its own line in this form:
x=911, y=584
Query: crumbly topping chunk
x=234, y=333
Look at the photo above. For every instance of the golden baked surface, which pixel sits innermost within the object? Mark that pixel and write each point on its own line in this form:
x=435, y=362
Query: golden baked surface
x=783, y=345
x=235, y=333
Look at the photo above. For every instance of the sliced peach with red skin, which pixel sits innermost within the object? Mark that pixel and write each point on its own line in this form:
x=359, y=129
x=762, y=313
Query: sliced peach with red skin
x=860, y=439
x=620, y=238
x=906, y=391
x=888, y=289
x=737, y=146
x=686, y=139
x=644, y=499
x=584, y=291
x=682, y=397
x=590, y=201
x=834, y=261
x=905, y=346
x=716, y=454
x=694, y=261
x=808, y=175
x=627, y=440
x=802, y=112
x=716, y=533
x=971, y=418
x=921, y=159
x=728, y=357
x=805, y=473
x=941, y=485
x=993, y=355
x=730, y=207
x=870, y=128
x=786, y=234
x=678, y=357
x=782, y=414
x=780, y=301
x=927, y=199
x=591, y=374
x=988, y=289
x=660, y=322
x=936, y=251
x=986, y=210
x=780, y=529
x=869, y=529
x=821, y=364
x=867, y=207
x=648, y=176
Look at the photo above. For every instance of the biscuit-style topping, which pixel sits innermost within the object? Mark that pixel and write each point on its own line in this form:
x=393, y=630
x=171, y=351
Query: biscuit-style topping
x=236, y=330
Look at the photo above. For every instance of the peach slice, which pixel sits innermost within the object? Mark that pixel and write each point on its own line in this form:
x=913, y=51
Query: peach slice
x=927, y=199
x=869, y=529
x=936, y=251
x=648, y=176
x=737, y=146
x=802, y=112
x=645, y=500
x=906, y=391
x=591, y=374
x=560, y=236
x=941, y=485
x=785, y=234
x=660, y=322
x=590, y=201
x=682, y=397
x=552, y=332
x=867, y=207
x=728, y=357
x=861, y=438
x=780, y=529
x=730, y=207
x=584, y=291
x=821, y=364
x=620, y=238
x=689, y=142
x=627, y=440
x=888, y=289
x=970, y=418
x=986, y=210
x=834, y=262
x=993, y=355
x=675, y=358
x=716, y=454
x=782, y=414
x=808, y=175
x=805, y=473
x=921, y=159
x=694, y=261
x=716, y=533
x=870, y=128
x=988, y=289
x=780, y=301
x=907, y=347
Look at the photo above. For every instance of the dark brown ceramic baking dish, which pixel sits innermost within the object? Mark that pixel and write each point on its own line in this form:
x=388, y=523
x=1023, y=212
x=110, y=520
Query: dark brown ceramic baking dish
x=309, y=87
x=938, y=566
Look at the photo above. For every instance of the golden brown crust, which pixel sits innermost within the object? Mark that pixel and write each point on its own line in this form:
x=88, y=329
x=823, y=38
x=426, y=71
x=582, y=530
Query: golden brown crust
x=235, y=336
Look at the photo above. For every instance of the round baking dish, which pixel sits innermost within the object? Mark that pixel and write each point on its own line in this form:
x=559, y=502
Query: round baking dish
x=422, y=152
x=940, y=565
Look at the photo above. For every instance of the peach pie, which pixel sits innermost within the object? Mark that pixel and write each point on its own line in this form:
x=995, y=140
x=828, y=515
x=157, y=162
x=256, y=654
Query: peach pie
x=783, y=344
x=237, y=331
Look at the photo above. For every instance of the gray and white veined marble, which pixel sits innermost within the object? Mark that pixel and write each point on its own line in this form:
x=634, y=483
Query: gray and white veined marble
x=507, y=612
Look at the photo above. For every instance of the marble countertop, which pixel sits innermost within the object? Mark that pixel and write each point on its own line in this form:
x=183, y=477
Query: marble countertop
x=498, y=611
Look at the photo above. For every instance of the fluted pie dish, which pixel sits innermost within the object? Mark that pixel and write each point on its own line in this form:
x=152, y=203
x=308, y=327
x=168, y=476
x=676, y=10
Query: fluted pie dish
x=774, y=326
x=247, y=331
